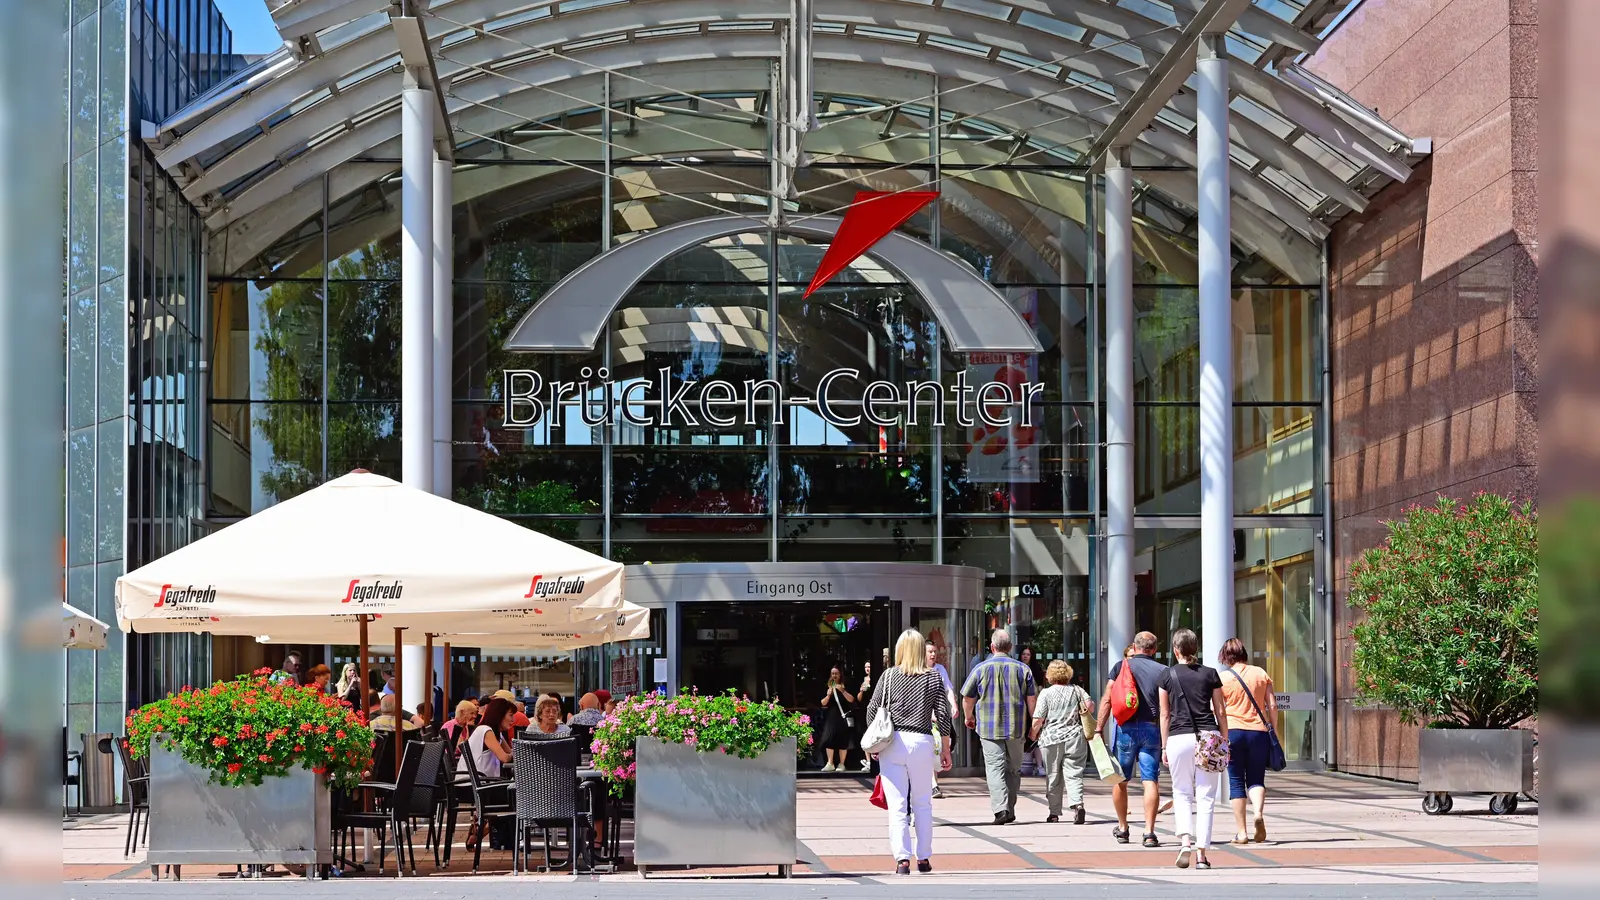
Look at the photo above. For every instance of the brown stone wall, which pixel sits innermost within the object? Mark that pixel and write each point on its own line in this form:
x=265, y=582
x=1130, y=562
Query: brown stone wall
x=1433, y=295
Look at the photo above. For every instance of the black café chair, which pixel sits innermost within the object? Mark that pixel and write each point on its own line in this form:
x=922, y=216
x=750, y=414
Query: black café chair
x=138, y=796
x=390, y=818
x=424, y=798
x=70, y=779
x=546, y=776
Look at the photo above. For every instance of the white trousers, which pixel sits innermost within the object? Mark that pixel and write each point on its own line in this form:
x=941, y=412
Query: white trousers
x=906, y=767
x=1194, y=791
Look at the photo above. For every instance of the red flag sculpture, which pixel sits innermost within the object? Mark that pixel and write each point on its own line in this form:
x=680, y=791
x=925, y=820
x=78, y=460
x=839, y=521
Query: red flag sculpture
x=870, y=217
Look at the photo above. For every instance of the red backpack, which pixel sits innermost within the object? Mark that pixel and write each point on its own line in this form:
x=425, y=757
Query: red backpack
x=1124, y=694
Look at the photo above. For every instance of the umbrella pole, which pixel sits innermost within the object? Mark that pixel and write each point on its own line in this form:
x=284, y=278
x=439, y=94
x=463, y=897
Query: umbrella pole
x=365, y=684
x=427, y=681
x=399, y=706
x=449, y=664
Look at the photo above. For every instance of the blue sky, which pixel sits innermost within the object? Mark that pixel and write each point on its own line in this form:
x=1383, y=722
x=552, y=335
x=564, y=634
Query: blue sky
x=251, y=25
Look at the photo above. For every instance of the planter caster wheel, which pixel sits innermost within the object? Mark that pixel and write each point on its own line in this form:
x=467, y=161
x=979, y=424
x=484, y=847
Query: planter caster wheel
x=786, y=871
x=1437, y=803
x=1503, y=804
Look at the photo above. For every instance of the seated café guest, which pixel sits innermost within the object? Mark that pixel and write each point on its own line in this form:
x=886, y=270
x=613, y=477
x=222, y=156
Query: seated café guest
x=547, y=719
x=611, y=707
x=489, y=750
x=605, y=697
x=386, y=716
x=349, y=687
x=519, y=719
x=424, y=718
x=320, y=676
x=589, y=713
x=458, y=729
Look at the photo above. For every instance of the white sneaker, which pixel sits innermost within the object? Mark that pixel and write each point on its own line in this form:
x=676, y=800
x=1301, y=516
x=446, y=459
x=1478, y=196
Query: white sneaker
x=829, y=768
x=866, y=765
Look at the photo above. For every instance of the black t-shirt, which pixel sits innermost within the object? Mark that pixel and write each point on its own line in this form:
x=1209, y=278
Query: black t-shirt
x=1146, y=679
x=1189, y=687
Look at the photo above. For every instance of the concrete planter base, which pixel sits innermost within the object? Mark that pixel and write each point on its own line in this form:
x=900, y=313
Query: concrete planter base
x=287, y=820
x=711, y=809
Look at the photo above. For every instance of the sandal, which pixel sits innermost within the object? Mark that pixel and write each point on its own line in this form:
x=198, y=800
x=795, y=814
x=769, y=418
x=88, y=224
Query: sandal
x=1261, y=831
x=1151, y=841
x=1241, y=839
x=1202, y=864
x=1183, y=857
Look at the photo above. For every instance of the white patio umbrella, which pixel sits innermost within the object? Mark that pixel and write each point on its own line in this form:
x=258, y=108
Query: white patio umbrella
x=81, y=631
x=364, y=546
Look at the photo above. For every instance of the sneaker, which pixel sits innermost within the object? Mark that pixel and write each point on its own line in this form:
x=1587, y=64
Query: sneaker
x=938, y=793
x=999, y=818
x=925, y=866
x=866, y=765
x=829, y=768
x=1121, y=834
x=1052, y=818
x=1078, y=815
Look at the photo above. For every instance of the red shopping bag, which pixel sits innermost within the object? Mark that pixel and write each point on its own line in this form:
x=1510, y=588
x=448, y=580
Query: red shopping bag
x=878, y=799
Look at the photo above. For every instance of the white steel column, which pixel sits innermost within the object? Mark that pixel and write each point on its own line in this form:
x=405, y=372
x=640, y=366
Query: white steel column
x=416, y=321
x=1216, y=350
x=416, y=285
x=1119, y=403
x=443, y=326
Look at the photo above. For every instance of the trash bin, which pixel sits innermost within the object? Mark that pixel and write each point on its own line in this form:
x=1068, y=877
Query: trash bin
x=98, y=771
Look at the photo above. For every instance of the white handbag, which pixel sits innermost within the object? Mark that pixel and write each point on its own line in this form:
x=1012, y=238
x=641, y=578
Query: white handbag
x=880, y=731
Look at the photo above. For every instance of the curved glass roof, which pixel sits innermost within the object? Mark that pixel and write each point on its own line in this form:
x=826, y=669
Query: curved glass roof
x=1042, y=79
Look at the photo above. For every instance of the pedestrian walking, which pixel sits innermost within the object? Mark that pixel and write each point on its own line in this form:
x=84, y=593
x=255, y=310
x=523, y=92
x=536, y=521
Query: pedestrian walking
x=950, y=699
x=864, y=695
x=1138, y=744
x=1032, y=755
x=837, y=723
x=1058, y=727
x=998, y=700
x=1194, y=741
x=919, y=708
x=1252, y=738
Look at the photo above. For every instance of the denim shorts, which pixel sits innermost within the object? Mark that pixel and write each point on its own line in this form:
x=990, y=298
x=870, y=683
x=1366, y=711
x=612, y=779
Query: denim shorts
x=1141, y=742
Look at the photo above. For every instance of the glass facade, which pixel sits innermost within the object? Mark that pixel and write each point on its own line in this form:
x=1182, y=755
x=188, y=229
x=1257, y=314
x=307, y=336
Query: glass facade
x=134, y=326
x=305, y=367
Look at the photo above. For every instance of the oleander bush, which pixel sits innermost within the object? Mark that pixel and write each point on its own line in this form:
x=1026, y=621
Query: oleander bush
x=1450, y=636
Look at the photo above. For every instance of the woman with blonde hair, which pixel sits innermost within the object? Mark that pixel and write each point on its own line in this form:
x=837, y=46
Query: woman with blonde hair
x=917, y=702
x=349, y=686
x=1058, y=727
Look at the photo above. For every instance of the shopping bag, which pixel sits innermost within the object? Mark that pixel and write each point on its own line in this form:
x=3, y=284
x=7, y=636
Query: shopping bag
x=1110, y=770
x=878, y=799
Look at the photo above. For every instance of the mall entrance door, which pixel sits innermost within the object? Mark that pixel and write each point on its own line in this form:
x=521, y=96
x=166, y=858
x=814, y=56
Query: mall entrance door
x=782, y=651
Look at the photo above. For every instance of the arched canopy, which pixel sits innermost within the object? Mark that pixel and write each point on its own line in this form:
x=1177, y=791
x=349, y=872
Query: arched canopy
x=974, y=316
x=1054, y=74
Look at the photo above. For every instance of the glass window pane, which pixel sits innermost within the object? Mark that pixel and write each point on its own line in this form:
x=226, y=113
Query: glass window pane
x=283, y=458
x=364, y=340
x=906, y=539
x=113, y=207
x=80, y=497
x=113, y=69
x=112, y=450
x=84, y=222
x=81, y=371
x=364, y=436
x=85, y=122
x=282, y=336
x=112, y=315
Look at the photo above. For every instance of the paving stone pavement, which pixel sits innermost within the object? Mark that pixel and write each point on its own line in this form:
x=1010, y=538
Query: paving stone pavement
x=1322, y=830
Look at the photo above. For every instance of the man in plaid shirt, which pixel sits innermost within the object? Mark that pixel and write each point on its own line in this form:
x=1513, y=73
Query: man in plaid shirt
x=998, y=700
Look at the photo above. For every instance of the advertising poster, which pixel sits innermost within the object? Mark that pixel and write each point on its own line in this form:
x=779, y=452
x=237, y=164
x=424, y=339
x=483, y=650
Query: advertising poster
x=1008, y=454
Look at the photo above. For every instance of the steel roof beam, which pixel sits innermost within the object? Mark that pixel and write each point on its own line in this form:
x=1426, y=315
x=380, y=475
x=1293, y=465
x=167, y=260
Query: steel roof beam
x=1166, y=78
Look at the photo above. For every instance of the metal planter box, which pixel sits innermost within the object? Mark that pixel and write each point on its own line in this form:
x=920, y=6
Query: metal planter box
x=711, y=809
x=287, y=820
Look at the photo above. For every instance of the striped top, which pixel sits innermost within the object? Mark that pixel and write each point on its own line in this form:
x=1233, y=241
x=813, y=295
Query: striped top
x=916, y=702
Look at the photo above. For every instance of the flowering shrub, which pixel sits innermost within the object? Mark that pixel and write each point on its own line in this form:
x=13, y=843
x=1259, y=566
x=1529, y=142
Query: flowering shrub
x=253, y=728
x=723, y=723
x=1451, y=632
